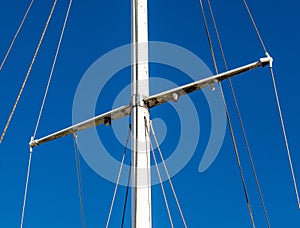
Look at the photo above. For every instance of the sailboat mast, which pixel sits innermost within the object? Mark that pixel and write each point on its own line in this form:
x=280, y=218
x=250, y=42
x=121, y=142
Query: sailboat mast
x=139, y=111
x=141, y=177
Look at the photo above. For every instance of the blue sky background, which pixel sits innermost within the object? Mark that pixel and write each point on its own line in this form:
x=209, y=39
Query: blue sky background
x=214, y=198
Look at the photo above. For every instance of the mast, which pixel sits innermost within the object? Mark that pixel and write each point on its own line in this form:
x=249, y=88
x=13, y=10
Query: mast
x=141, y=177
x=139, y=111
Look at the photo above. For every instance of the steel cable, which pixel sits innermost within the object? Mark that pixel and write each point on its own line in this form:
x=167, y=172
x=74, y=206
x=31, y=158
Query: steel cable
x=240, y=117
x=228, y=118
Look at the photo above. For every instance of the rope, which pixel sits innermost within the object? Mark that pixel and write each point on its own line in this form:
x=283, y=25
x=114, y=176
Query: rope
x=79, y=180
x=160, y=179
x=240, y=118
x=285, y=136
x=16, y=35
x=228, y=119
x=28, y=72
x=26, y=188
x=53, y=67
x=118, y=179
x=126, y=197
x=255, y=27
x=168, y=175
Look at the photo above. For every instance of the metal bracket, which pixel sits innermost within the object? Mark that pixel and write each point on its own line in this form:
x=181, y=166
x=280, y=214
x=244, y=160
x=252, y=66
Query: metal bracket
x=107, y=121
x=32, y=143
x=268, y=60
x=138, y=100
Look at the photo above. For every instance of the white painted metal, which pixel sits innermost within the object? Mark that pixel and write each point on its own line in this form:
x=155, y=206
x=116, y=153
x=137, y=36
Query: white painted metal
x=174, y=94
x=95, y=121
x=141, y=177
x=151, y=101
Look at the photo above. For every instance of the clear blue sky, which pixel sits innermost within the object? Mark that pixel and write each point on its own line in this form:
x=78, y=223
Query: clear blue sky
x=213, y=198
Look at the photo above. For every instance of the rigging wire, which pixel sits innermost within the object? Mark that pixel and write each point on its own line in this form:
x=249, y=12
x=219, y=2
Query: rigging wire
x=255, y=26
x=208, y=36
x=118, y=178
x=17, y=100
x=148, y=163
x=240, y=117
x=79, y=179
x=16, y=35
x=28, y=72
x=278, y=105
x=228, y=119
x=285, y=136
x=168, y=174
x=238, y=158
x=53, y=67
x=26, y=189
x=159, y=176
x=126, y=197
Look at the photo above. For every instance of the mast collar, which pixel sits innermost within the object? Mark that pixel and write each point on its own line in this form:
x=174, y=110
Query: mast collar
x=138, y=100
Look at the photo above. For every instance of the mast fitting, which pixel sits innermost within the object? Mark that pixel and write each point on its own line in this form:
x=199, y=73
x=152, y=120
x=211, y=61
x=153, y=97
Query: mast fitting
x=32, y=144
x=174, y=97
x=107, y=121
x=138, y=100
x=268, y=60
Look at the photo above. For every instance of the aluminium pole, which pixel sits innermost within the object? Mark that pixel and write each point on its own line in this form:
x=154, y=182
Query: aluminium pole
x=141, y=177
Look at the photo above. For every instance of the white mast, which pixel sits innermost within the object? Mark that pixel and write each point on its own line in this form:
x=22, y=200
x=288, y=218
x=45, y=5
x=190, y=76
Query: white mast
x=141, y=178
